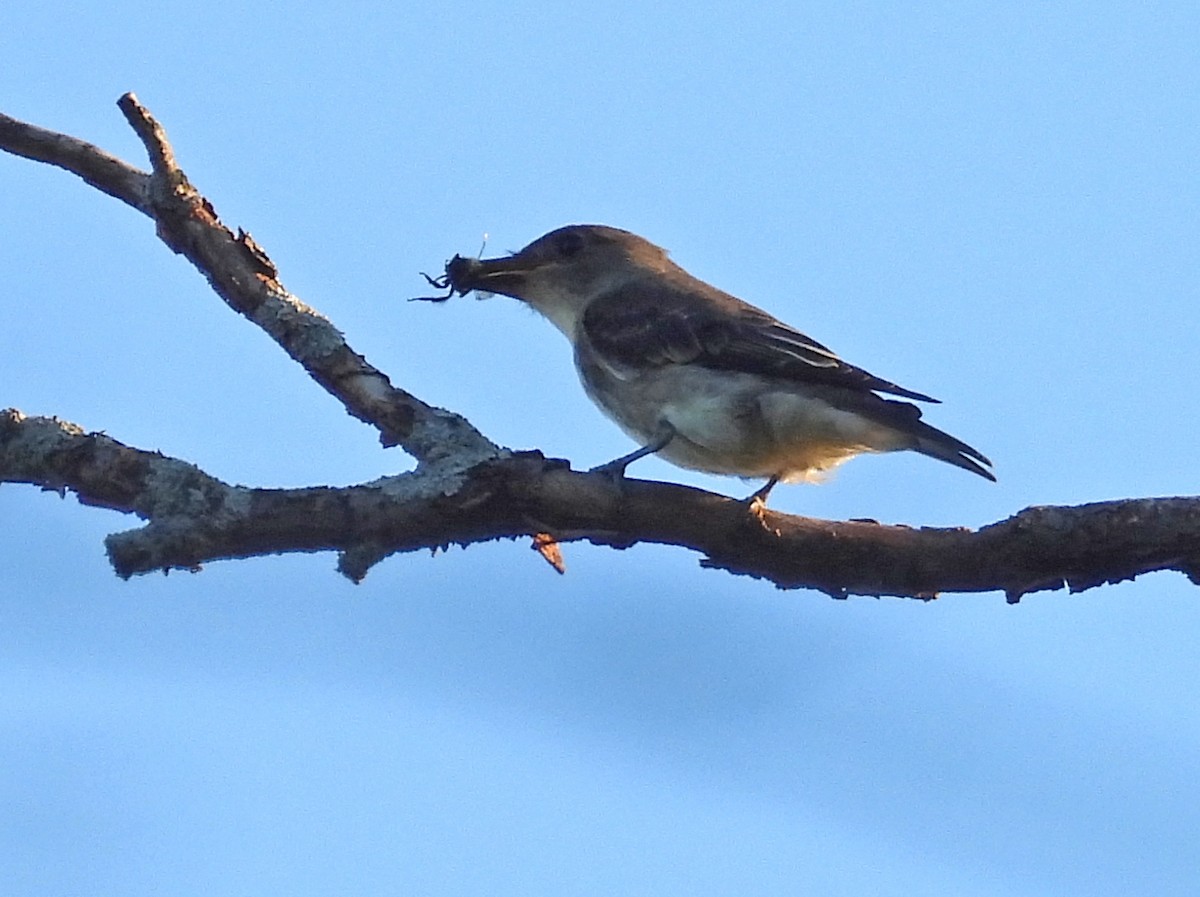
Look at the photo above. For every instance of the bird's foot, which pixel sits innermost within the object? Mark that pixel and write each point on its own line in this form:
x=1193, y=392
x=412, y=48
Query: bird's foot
x=614, y=470
x=759, y=495
x=756, y=501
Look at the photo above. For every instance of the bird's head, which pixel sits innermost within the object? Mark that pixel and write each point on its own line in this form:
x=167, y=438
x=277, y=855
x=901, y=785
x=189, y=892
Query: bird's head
x=559, y=273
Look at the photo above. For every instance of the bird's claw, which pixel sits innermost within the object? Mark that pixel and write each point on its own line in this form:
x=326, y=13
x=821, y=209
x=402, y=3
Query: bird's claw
x=613, y=470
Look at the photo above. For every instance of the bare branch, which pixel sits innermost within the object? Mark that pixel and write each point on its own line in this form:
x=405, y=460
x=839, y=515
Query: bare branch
x=105, y=172
x=196, y=518
x=243, y=275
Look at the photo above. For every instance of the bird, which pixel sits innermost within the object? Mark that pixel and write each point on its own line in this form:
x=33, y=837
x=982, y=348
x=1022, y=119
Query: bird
x=697, y=376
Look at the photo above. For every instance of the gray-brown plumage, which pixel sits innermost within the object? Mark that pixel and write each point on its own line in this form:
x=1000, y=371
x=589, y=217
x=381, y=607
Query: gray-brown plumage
x=702, y=378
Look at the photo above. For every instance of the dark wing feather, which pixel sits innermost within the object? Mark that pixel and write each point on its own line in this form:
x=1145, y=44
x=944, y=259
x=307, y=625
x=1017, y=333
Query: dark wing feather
x=655, y=324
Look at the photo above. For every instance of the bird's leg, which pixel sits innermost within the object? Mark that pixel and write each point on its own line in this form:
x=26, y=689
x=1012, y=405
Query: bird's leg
x=759, y=496
x=616, y=467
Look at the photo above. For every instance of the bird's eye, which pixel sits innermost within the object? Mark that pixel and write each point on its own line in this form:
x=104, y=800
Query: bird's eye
x=568, y=244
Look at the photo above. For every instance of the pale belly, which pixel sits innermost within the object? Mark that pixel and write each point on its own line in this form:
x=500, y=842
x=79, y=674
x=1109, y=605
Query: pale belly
x=735, y=423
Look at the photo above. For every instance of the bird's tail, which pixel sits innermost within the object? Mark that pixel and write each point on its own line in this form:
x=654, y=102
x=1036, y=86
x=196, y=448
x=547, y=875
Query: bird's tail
x=936, y=444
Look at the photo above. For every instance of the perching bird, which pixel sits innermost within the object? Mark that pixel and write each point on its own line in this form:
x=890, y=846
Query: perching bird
x=697, y=376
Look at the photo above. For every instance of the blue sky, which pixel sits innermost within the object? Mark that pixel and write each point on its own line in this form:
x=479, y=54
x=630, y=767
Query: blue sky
x=994, y=204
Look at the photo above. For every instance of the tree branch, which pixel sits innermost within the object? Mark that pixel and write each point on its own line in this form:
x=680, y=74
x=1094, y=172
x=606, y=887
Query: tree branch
x=196, y=518
x=242, y=274
x=467, y=489
x=105, y=172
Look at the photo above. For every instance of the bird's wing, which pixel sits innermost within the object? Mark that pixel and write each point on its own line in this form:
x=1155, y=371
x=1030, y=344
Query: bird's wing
x=638, y=329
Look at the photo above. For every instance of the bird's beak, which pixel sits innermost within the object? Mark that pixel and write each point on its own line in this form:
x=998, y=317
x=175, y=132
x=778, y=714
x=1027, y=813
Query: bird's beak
x=503, y=275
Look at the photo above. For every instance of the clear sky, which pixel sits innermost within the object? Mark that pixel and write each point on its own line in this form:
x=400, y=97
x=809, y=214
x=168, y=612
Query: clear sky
x=995, y=204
